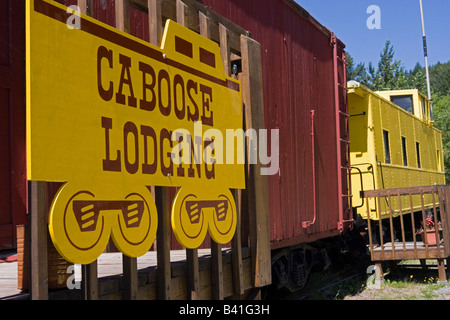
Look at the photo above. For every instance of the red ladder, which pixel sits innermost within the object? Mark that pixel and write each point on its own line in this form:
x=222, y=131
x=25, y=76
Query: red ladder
x=342, y=137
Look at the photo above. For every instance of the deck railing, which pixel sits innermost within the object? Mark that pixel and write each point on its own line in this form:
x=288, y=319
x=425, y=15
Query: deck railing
x=399, y=237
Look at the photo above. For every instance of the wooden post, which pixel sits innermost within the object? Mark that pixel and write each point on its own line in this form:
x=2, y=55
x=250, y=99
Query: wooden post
x=163, y=243
x=369, y=227
x=423, y=221
x=155, y=21
x=413, y=225
x=204, y=25
x=391, y=226
x=130, y=278
x=402, y=226
x=86, y=7
x=379, y=276
x=436, y=229
x=123, y=15
x=236, y=250
x=441, y=272
x=380, y=223
x=192, y=274
x=225, y=50
x=252, y=95
x=89, y=281
x=181, y=13
x=39, y=230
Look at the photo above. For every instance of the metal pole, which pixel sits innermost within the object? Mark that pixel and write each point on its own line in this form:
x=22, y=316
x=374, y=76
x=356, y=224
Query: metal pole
x=425, y=51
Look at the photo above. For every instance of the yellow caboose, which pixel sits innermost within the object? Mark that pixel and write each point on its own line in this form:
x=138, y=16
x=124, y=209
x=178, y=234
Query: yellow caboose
x=393, y=144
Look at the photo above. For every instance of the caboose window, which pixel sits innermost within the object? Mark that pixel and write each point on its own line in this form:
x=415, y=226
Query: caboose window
x=387, y=152
x=405, y=102
x=418, y=154
x=424, y=109
x=430, y=105
x=405, y=158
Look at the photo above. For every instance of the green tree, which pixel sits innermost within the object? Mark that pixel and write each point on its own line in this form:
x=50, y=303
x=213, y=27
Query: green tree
x=440, y=79
x=417, y=78
x=358, y=73
x=442, y=122
x=390, y=74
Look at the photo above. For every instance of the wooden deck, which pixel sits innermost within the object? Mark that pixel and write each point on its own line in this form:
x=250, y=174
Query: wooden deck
x=8, y=279
x=408, y=250
x=110, y=276
x=405, y=249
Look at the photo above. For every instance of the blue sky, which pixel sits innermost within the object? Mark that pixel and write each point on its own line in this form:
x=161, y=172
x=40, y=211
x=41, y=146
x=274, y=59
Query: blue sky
x=400, y=22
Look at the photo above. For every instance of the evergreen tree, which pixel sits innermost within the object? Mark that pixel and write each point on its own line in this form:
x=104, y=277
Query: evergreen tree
x=440, y=79
x=358, y=73
x=442, y=122
x=390, y=74
x=417, y=78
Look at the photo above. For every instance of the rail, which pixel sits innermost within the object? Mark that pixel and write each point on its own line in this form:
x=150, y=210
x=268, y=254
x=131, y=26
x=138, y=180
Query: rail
x=403, y=235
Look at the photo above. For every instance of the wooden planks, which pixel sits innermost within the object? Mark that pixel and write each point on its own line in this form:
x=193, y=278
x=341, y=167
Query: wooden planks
x=39, y=266
x=252, y=96
x=86, y=7
x=193, y=8
x=155, y=21
x=89, y=281
x=163, y=243
x=410, y=251
x=109, y=266
x=123, y=15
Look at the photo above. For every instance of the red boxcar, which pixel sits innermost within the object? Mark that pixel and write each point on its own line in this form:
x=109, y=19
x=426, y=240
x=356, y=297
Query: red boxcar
x=303, y=71
x=13, y=185
x=304, y=97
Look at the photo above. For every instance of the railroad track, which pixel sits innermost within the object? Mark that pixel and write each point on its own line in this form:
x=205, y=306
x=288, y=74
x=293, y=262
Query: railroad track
x=343, y=280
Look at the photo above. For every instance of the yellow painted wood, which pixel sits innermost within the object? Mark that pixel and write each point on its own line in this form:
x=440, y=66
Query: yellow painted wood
x=110, y=114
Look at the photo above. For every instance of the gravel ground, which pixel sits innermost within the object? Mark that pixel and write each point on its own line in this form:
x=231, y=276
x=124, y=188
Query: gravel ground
x=417, y=292
x=403, y=283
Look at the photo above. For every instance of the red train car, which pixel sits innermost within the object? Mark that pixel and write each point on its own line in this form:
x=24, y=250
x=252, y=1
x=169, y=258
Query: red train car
x=305, y=98
x=304, y=84
x=13, y=185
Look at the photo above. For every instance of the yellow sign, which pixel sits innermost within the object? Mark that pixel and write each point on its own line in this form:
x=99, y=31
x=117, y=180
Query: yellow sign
x=111, y=114
x=197, y=210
